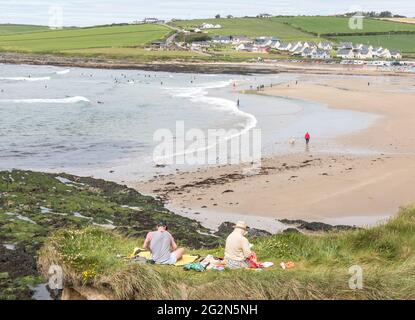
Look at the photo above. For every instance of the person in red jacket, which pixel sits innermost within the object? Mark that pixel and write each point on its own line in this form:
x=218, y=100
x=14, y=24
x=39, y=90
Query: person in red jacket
x=307, y=138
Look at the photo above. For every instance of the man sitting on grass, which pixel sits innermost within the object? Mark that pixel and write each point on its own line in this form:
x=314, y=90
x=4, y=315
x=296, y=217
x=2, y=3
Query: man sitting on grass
x=162, y=246
x=237, y=248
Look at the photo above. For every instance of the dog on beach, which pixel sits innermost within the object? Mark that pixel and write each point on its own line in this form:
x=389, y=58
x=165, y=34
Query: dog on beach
x=291, y=141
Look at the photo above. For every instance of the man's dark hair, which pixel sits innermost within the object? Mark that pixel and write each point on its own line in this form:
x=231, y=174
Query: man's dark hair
x=162, y=224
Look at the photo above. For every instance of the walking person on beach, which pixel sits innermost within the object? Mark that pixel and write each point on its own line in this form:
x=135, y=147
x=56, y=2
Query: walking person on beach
x=307, y=138
x=162, y=246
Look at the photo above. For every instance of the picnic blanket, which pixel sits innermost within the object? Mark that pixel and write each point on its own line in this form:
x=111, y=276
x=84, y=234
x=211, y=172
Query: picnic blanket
x=187, y=258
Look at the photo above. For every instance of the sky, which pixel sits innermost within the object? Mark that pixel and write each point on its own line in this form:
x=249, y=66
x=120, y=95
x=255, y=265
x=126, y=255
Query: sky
x=94, y=12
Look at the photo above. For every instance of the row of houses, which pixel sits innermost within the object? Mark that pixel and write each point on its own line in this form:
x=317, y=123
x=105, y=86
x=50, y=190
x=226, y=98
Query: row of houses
x=306, y=49
x=348, y=50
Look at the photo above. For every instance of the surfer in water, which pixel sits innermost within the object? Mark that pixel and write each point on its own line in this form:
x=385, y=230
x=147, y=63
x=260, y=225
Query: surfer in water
x=237, y=103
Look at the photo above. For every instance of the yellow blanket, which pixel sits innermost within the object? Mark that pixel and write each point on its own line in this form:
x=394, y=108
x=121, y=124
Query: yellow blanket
x=184, y=260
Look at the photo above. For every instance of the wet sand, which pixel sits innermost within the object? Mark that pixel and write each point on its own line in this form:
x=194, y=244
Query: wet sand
x=333, y=188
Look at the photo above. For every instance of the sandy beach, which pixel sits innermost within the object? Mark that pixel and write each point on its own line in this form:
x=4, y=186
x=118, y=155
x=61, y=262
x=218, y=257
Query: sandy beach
x=333, y=188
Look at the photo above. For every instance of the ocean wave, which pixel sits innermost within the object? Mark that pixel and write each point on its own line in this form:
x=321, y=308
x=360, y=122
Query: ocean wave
x=63, y=71
x=199, y=95
x=67, y=100
x=25, y=78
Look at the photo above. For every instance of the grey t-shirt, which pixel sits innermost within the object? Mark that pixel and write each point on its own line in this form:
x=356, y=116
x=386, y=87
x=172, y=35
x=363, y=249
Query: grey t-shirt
x=160, y=245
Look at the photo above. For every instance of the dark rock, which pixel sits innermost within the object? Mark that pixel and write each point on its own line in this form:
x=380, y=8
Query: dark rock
x=317, y=226
x=227, y=227
x=291, y=230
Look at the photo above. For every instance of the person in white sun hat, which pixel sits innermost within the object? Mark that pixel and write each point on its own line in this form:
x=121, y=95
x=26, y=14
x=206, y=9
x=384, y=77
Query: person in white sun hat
x=237, y=248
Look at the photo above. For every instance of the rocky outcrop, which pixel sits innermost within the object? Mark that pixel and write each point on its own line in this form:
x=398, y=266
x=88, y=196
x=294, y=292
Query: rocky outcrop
x=317, y=226
x=227, y=227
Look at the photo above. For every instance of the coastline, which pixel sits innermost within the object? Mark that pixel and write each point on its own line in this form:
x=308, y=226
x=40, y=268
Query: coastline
x=311, y=185
x=176, y=66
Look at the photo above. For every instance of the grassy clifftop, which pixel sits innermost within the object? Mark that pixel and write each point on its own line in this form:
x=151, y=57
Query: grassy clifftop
x=33, y=205
x=386, y=254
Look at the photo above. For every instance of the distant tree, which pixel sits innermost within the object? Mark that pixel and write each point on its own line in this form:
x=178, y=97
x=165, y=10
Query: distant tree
x=217, y=16
x=385, y=14
x=229, y=16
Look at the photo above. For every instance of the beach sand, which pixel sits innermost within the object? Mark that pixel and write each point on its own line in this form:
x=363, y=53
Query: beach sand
x=332, y=188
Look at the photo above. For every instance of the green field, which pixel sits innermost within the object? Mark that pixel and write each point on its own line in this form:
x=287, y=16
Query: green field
x=251, y=27
x=82, y=38
x=127, y=41
x=20, y=28
x=403, y=42
x=333, y=25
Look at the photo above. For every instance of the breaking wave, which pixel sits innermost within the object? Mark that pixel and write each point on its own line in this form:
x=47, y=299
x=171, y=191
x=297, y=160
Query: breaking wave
x=200, y=96
x=25, y=78
x=67, y=100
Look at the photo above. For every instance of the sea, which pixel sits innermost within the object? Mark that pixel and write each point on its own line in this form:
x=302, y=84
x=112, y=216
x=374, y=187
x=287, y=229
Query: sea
x=105, y=123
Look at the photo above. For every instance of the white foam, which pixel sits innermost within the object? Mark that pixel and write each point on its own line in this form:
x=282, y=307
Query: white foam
x=67, y=100
x=63, y=71
x=25, y=78
x=199, y=95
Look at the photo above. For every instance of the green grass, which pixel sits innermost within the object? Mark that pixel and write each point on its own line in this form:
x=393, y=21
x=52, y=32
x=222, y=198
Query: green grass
x=83, y=38
x=250, y=27
x=333, y=25
x=20, y=28
x=403, y=42
x=26, y=195
x=385, y=253
x=140, y=54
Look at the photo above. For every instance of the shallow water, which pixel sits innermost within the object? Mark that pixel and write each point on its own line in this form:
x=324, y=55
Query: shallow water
x=102, y=122
x=41, y=292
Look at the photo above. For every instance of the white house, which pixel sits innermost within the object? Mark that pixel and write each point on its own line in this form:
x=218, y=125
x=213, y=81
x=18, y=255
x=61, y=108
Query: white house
x=244, y=47
x=320, y=54
x=384, y=53
x=305, y=52
x=296, y=45
x=210, y=26
x=325, y=45
x=266, y=41
x=345, y=54
x=222, y=39
x=200, y=44
x=345, y=45
x=364, y=53
x=241, y=39
x=285, y=46
x=153, y=20
x=300, y=50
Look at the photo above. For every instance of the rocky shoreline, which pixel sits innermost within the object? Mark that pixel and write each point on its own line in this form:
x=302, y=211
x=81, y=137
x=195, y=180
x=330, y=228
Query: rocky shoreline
x=175, y=66
x=30, y=212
